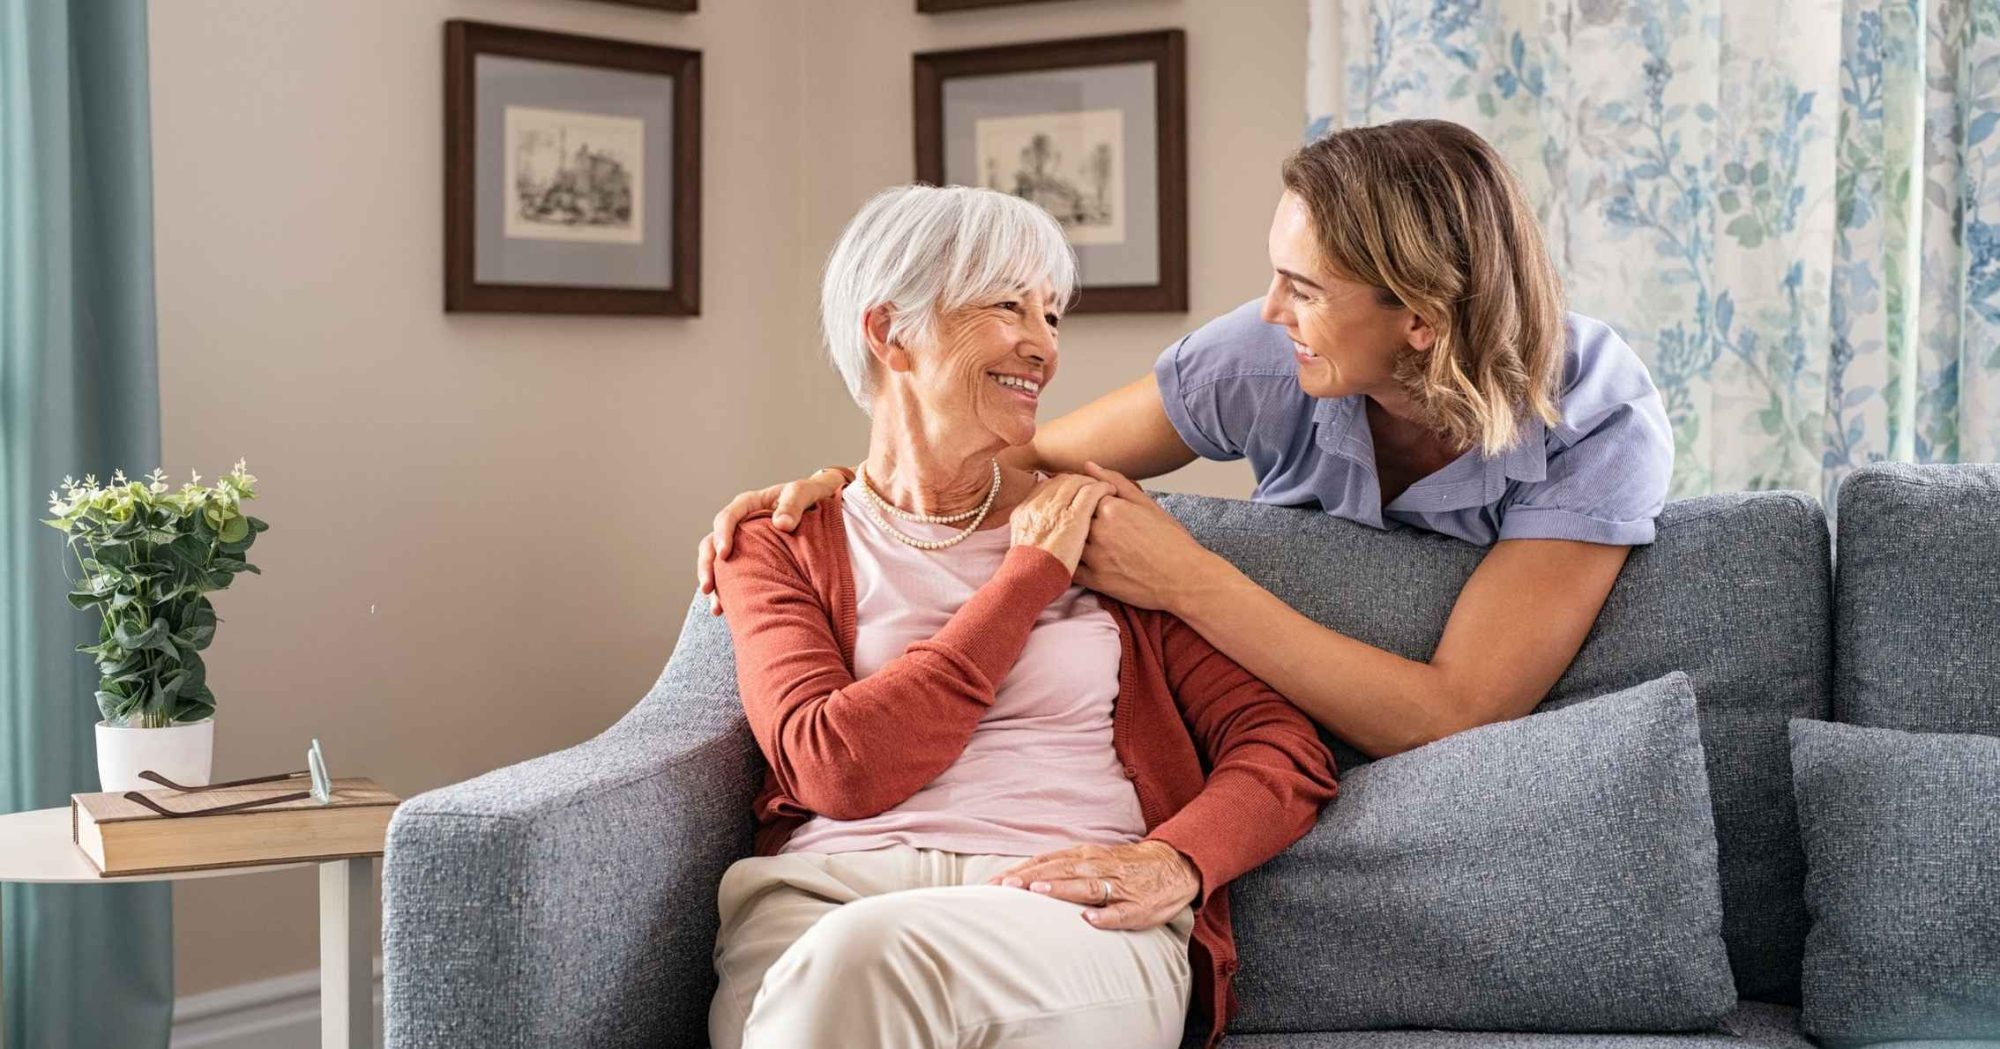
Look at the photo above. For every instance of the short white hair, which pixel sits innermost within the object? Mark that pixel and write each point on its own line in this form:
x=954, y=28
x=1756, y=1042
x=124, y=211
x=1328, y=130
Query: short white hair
x=924, y=251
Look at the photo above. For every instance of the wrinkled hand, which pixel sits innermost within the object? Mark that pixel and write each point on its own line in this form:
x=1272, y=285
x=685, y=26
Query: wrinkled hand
x=786, y=501
x=1150, y=881
x=1056, y=516
x=1136, y=550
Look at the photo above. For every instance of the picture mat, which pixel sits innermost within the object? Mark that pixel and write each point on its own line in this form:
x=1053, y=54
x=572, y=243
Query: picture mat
x=501, y=81
x=561, y=135
x=1127, y=86
x=1077, y=139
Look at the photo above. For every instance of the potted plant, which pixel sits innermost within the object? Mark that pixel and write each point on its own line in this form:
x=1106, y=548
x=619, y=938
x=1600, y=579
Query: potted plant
x=149, y=557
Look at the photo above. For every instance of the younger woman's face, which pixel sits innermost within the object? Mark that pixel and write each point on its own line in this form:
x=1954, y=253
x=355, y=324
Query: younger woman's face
x=1343, y=340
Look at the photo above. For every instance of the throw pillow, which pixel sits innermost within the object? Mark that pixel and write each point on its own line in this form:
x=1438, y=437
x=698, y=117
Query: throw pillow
x=1902, y=840
x=1552, y=873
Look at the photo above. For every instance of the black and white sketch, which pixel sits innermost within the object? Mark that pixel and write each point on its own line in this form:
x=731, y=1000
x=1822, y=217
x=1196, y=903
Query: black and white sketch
x=1072, y=164
x=574, y=176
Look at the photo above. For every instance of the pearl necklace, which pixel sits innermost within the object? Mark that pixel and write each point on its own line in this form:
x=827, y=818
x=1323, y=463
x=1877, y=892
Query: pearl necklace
x=878, y=505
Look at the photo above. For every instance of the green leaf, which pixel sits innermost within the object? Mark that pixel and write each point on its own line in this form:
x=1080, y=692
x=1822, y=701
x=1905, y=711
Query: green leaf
x=1746, y=229
x=188, y=712
x=1773, y=416
x=197, y=682
x=111, y=706
x=126, y=636
x=82, y=599
x=236, y=528
x=154, y=637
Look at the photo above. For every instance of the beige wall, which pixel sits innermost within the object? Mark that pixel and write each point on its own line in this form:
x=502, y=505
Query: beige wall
x=481, y=525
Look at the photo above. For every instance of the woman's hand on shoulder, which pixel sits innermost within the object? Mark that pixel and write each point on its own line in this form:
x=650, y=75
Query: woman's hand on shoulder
x=1137, y=552
x=787, y=502
x=1056, y=516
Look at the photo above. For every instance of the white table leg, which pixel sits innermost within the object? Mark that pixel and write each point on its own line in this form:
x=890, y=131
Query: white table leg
x=346, y=954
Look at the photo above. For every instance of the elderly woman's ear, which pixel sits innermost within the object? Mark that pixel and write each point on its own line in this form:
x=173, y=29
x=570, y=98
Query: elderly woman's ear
x=876, y=323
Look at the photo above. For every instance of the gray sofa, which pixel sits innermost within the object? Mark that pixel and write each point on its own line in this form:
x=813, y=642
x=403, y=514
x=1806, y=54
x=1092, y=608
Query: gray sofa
x=570, y=900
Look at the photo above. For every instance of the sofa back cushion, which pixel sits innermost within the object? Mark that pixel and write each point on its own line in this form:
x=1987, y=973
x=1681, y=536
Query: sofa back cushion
x=1916, y=616
x=1734, y=591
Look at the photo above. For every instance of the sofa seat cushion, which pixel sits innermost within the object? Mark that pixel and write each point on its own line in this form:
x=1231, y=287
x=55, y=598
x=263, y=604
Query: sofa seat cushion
x=1751, y=1025
x=1902, y=838
x=1551, y=873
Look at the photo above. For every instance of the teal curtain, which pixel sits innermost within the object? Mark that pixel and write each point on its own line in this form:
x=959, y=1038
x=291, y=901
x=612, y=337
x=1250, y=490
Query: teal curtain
x=86, y=967
x=1789, y=208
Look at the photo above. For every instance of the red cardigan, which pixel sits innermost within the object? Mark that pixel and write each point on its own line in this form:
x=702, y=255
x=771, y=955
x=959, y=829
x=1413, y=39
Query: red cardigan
x=1226, y=770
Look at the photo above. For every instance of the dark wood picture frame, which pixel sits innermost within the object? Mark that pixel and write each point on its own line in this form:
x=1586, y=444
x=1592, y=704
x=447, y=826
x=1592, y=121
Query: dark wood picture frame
x=657, y=5
x=463, y=42
x=1167, y=51
x=929, y=7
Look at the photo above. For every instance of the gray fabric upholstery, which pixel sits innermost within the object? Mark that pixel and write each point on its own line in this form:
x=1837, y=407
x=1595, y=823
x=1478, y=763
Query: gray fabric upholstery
x=1915, y=613
x=570, y=900
x=1552, y=873
x=1752, y=1025
x=1735, y=591
x=1902, y=838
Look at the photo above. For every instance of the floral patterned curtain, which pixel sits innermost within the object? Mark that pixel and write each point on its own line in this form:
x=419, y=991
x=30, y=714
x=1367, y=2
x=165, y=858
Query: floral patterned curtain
x=1790, y=208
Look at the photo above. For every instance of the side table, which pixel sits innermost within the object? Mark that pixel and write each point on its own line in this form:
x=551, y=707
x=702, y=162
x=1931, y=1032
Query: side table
x=36, y=847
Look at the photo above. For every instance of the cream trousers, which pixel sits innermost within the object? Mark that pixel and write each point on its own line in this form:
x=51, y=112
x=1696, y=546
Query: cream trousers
x=905, y=948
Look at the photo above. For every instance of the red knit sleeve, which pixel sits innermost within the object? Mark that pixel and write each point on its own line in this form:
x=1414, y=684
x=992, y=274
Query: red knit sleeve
x=848, y=749
x=1269, y=774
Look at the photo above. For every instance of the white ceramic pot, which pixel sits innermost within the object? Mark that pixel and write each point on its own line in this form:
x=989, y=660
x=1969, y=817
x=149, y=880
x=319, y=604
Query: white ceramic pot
x=182, y=753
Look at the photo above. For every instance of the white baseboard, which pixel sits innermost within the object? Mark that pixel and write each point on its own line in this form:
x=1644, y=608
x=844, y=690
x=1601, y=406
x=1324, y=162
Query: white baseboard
x=279, y=1013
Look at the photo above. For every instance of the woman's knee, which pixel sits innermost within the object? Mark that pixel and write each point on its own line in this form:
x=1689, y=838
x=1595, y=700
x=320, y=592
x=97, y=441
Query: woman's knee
x=858, y=938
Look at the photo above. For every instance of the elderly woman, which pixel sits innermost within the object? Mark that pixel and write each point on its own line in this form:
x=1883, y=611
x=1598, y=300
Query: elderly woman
x=1001, y=810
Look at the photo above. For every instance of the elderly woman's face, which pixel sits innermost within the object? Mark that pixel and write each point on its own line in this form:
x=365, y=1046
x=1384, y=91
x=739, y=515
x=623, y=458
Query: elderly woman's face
x=992, y=362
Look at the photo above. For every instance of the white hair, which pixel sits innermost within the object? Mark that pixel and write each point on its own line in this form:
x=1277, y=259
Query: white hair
x=924, y=251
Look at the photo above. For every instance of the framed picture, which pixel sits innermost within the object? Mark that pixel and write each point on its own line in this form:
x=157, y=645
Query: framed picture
x=935, y=6
x=657, y=5
x=572, y=173
x=1094, y=130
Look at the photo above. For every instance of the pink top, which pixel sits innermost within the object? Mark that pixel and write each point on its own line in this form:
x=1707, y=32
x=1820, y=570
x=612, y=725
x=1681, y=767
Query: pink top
x=1039, y=772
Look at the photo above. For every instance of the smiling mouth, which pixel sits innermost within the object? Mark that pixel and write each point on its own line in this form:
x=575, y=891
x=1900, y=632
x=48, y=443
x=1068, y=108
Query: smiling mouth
x=1303, y=352
x=1028, y=388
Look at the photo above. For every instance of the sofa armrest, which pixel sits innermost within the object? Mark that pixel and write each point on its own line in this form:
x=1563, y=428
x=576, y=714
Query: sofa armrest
x=570, y=900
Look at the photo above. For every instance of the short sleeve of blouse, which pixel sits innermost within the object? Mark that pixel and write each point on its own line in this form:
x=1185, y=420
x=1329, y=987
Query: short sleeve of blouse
x=1218, y=381
x=1609, y=463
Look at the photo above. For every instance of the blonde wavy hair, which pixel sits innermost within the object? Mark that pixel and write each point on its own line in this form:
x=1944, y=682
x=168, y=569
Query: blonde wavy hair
x=1427, y=213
